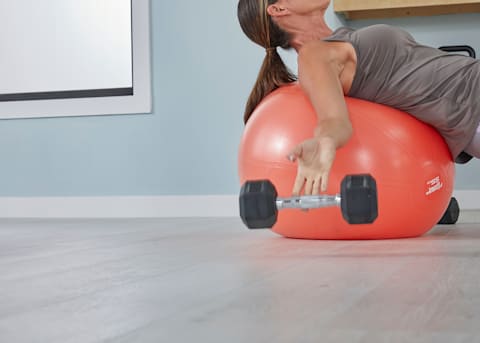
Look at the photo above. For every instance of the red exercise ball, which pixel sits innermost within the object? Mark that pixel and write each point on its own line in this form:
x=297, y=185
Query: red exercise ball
x=410, y=161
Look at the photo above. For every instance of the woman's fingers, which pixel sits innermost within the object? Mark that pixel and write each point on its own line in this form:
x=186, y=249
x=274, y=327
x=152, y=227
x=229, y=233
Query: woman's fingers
x=311, y=186
x=314, y=163
x=324, y=184
x=299, y=182
x=308, y=186
x=316, y=186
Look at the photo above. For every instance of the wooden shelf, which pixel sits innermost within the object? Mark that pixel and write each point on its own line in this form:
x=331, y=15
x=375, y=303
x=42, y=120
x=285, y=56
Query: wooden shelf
x=365, y=9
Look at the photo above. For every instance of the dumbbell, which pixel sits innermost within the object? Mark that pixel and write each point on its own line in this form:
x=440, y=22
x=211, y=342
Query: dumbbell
x=259, y=204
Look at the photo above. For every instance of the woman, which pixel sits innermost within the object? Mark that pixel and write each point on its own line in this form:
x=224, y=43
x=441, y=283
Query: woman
x=378, y=63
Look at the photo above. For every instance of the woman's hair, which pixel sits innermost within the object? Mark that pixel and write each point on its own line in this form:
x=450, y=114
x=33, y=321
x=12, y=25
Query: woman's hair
x=260, y=28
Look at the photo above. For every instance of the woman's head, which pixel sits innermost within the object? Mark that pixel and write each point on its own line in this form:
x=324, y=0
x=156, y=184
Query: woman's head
x=276, y=22
x=258, y=25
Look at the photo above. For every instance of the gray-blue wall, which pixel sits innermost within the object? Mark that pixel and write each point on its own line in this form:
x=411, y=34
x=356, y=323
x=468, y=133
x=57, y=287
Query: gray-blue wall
x=203, y=69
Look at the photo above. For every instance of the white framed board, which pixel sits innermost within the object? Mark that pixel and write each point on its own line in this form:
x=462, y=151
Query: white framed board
x=74, y=57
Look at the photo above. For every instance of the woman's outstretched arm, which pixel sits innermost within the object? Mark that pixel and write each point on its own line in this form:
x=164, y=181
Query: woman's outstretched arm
x=320, y=66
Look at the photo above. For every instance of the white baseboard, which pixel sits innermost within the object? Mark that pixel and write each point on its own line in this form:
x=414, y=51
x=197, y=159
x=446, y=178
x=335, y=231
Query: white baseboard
x=119, y=207
x=147, y=207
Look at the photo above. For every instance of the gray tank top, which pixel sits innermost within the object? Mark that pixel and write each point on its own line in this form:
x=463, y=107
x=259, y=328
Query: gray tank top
x=439, y=88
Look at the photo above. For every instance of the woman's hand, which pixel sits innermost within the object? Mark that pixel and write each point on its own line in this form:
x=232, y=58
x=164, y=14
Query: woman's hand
x=315, y=158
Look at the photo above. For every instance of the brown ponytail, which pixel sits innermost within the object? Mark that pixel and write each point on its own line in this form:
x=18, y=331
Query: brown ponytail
x=260, y=28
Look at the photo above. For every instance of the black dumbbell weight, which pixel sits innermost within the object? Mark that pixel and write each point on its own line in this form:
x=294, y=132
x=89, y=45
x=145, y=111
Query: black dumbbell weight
x=259, y=204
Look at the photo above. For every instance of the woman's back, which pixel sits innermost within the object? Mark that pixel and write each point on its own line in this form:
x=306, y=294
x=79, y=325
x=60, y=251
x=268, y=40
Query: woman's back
x=436, y=87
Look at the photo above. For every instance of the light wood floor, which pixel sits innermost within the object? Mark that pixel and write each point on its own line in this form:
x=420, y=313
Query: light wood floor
x=212, y=280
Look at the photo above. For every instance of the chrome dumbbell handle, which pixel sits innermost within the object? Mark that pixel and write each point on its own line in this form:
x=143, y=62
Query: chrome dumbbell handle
x=309, y=201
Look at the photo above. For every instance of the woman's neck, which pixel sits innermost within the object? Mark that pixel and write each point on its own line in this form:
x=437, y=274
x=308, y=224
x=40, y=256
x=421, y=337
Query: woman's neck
x=301, y=38
x=305, y=29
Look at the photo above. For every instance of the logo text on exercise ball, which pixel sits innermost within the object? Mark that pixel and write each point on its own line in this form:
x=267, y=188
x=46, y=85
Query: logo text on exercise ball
x=434, y=185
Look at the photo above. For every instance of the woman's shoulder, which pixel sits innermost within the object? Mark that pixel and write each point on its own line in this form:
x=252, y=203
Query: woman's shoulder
x=382, y=33
x=340, y=55
x=325, y=49
x=375, y=30
x=344, y=43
